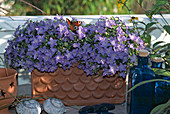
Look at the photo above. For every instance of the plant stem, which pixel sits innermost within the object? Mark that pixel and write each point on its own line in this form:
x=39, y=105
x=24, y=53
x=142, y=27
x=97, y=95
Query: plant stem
x=127, y=8
x=4, y=65
x=152, y=16
x=164, y=19
x=35, y=7
x=11, y=94
x=5, y=13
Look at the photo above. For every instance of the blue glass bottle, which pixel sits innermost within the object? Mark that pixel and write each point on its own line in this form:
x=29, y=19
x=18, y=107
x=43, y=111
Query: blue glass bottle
x=157, y=62
x=162, y=89
x=142, y=98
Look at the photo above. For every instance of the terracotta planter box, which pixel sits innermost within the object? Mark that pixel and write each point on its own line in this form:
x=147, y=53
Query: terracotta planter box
x=9, y=84
x=75, y=87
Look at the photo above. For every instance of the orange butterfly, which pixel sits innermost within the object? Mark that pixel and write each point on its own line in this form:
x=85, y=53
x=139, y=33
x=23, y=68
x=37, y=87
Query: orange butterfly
x=73, y=25
x=133, y=18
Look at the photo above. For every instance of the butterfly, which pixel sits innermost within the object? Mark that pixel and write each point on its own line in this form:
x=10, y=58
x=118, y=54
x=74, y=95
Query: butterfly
x=133, y=18
x=73, y=25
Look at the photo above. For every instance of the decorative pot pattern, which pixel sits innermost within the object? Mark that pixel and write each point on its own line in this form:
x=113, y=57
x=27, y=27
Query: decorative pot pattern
x=9, y=84
x=75, y=87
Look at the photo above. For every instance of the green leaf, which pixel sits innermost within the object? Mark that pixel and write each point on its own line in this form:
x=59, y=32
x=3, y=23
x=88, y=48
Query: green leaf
x=59, y=8
x=146, y=38
x=140, y=2
x=161, y=72
x=159, y=4
x=149, y=25
x=167, y=28
x=158, y=109
x=157, y=43
x=158, y=48
x=164, y=51
x=148, y=14
x=141, y=22
x=164, y=10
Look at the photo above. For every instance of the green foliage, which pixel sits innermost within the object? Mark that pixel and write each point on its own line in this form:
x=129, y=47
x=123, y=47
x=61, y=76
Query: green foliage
x=157, y=43
x=140, y=2
x=148, y=26
x=158, y=7
x=67, y=7
x=163, y=108
x=161, y=72
x=161, y=49
x=167, y=28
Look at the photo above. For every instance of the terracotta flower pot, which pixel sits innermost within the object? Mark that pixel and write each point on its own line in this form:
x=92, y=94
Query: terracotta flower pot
x=75, y=87
x=9, y=84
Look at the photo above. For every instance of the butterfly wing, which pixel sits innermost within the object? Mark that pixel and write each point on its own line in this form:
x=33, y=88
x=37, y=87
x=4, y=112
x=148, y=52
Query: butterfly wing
x=77, y=23
x=68, y=21
x=73, y=24
x=70, y=24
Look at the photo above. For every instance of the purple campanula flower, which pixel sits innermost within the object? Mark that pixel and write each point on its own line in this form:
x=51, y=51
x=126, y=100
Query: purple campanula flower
x=109, y=51
x=112, y=69
x=133, y=58
x=131, y=46
x=52, y=42
x=58, y=57
x=52, y=68
x=92, y=54
x=101, y=50
x=122, y=67
x=41, y=38
x=125, y=59
x=81, y=32
x=90, y=29
x=75, y=52
x=110, y=60
x=110, y=23
x=31, y=47
x=100, y=30
x=104, y=43
x=88, y=71
x=62, y=29
x=48, y=44
x=68, y=54
x=85, y=57
x=98, y=59
x=76, y=45
x=40, y=30
x=122, y=74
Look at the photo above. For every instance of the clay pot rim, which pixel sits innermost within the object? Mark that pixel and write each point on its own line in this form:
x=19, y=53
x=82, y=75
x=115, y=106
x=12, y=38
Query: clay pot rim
x=9, y=76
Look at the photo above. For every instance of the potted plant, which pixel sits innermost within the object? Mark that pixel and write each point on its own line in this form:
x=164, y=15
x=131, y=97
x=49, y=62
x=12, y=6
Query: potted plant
x=83, y=66
x=8, y=85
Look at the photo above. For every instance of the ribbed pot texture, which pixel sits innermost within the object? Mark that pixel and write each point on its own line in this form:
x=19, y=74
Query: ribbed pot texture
x=75, y=87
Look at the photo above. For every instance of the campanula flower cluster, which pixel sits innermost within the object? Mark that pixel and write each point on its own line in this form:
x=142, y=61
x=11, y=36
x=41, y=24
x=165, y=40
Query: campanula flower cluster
x=104, y=48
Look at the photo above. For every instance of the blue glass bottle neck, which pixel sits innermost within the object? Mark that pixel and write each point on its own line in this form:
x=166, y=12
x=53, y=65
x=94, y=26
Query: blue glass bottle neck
x=143, y=61
x=156, y=64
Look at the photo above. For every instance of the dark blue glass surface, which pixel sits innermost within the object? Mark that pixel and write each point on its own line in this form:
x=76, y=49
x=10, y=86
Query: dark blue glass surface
x=162, y=89
x=156, y=64
x=142, y=98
